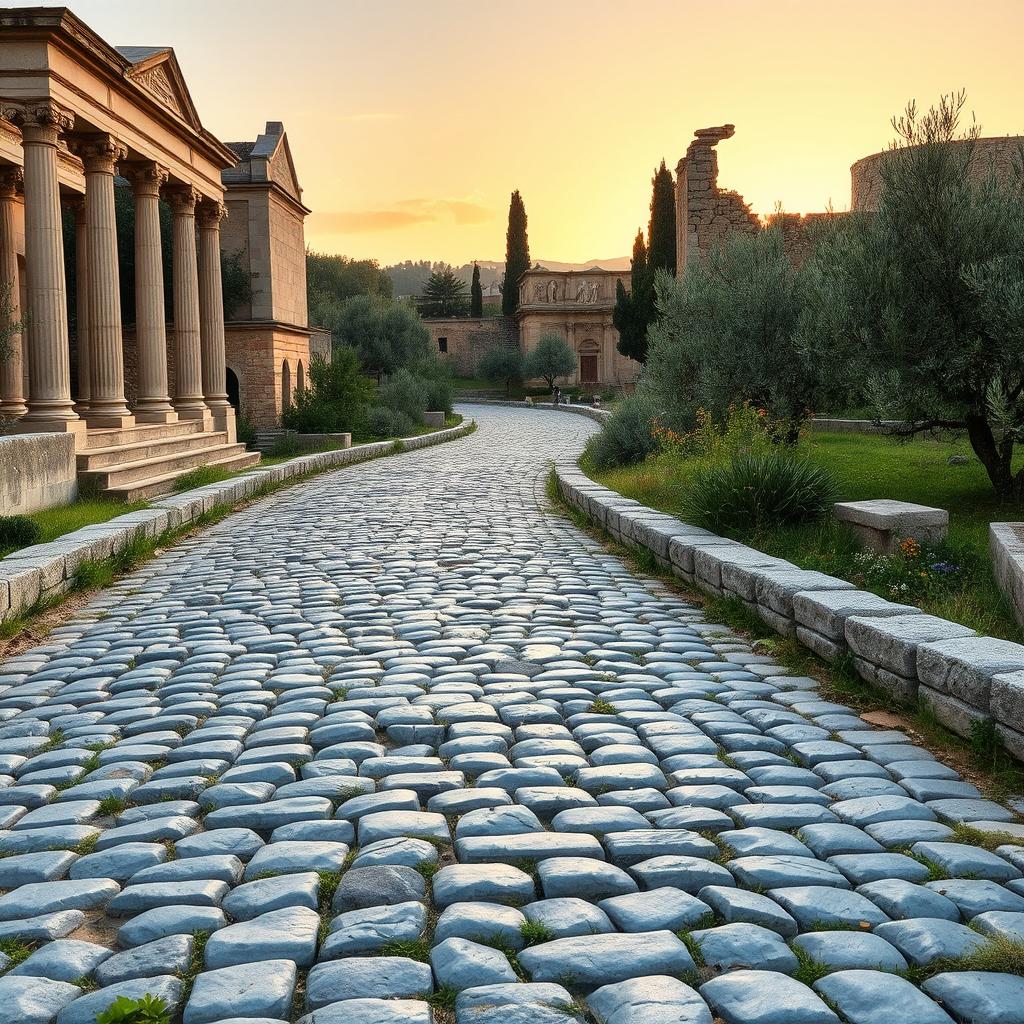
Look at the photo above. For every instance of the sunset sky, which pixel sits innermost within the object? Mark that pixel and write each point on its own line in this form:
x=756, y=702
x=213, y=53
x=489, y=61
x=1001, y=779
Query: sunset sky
x=412, y=120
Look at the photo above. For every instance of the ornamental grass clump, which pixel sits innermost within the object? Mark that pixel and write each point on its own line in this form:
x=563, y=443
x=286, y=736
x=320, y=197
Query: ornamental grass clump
x=758, y=492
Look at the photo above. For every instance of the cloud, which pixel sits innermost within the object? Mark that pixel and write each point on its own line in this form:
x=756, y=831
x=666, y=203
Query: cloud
x=403, y=213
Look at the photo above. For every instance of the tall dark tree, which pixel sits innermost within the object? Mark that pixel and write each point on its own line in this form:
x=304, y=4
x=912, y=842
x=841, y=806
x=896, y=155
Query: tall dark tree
x=661, y=231
x=631, y=313
x=476, y=294
x=443, y=294
x=517, y=254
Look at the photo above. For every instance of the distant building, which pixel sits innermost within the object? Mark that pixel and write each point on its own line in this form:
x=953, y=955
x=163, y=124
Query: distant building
x=268, y=337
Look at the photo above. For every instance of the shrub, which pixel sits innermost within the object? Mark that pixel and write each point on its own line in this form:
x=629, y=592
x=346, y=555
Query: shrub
x=245, y=432
x=437, y=382
x=746, y=431
x=18, y=532
x=552, y=358
x=335, y=399
x=384, y=422
x=405, y=392
x=626, y=436
x=145, y=1010
x=502, y=365
x=754, y=492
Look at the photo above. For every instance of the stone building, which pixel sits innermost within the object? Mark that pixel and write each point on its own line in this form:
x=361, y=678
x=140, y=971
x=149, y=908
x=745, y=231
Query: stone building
x=268, y=337
x=461, y=341
x=577, y=304
x=75, y=111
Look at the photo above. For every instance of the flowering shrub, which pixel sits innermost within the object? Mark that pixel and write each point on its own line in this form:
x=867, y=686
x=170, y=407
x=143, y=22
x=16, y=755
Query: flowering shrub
x=747, y=430
x=912, y=572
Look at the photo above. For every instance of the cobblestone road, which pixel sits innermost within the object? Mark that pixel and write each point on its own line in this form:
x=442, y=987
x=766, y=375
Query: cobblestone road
x=401, y=745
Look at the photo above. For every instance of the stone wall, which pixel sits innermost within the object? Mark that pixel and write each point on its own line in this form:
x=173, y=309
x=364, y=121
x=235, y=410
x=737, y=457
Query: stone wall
x=705, y=213
x=967, y=681
x=799, y=231
x=36, y=471
x=257, y=354
x=990, y=155
x=467, y=338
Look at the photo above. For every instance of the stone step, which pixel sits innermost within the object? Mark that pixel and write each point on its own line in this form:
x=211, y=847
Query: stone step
x=123, y=474
x=102, y=458
x=114, y=437
x=151, y=487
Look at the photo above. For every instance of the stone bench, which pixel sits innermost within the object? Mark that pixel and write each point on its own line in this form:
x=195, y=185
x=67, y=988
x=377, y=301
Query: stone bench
x=881, y=524
x=433, y=419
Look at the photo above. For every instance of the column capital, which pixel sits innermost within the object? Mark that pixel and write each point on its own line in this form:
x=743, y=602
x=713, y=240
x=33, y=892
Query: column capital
x=147, y=176
x=101, y=152
x=182, y=199
x=11, y=178
x=210, y=212
x=43, y=118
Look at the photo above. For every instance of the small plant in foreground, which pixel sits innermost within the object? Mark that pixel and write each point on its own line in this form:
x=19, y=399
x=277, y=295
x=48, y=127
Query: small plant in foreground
x=18, y=532
x=145, y=1010
x=535, y=932
x=601, y=707
x=414, y=949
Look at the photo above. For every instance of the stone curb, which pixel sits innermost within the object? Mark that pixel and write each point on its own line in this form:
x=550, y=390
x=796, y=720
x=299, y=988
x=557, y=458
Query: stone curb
x=43, y=571
x=598, y=415
x=966, y=679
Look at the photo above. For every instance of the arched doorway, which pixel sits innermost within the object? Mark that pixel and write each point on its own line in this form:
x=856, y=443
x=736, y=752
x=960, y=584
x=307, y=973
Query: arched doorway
x=300, y=378
x=588, y=362
x=286, y=385
x=234, y=395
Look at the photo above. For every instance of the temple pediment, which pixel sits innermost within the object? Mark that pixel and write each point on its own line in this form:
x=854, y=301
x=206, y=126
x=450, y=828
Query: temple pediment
x=156, y=70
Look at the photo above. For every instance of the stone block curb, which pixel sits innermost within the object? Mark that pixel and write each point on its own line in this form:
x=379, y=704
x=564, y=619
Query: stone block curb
x=966, y=679
x=43, y=571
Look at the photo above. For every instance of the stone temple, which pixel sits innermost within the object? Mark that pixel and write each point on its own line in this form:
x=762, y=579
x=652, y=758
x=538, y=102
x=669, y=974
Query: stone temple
x=80, y=121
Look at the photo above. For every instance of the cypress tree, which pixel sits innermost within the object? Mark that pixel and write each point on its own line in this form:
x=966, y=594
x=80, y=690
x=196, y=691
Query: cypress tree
x=661, y=232
x=634, y=310
x=476, y=294
x=517, y=254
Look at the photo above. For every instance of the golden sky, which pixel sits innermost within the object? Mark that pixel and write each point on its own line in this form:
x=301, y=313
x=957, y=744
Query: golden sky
x=412, y=120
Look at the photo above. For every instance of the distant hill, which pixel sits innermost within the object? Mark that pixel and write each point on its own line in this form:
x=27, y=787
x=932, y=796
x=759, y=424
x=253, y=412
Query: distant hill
x=409, y=276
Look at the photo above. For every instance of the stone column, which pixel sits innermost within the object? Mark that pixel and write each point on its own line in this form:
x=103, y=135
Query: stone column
x=211, y=316
x=49, y=400
x=77, y=205
x=107, y=405
x=153, y=404
x=188, y=392
x=12, y=391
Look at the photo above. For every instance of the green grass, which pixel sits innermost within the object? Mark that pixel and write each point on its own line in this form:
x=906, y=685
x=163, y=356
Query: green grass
x=16, y=950
x=55, y=522
x=202, y=476
x=414, y=949
x=601, y=707
x=872, y=466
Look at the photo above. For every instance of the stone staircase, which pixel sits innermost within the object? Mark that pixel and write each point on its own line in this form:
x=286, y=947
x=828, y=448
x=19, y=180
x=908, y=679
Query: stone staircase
x=140, y=462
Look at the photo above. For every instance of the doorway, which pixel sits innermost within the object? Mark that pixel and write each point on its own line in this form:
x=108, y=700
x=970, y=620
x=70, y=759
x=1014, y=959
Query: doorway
x=588, y=362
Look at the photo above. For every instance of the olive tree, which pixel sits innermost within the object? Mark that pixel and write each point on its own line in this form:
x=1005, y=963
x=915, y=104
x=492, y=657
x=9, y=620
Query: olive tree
x=923, y=300
x=501, y=365
x=552, y=358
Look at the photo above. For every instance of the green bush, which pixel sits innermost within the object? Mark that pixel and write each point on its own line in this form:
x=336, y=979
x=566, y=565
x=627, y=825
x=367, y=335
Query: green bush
x=245, y=431
x=754, y=492
x=335, y=399
x=145, y=1010
x=626, y=436
x=18, y=532
x=437, y=381
x=384, y=422
x=405, y=392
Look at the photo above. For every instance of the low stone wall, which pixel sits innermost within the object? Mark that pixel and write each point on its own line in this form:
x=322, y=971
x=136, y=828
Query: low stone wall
x=827, y=425
x=967, y=680
x=598, y=415
x=36, y=471
x=1006, y=542
x=43, y=571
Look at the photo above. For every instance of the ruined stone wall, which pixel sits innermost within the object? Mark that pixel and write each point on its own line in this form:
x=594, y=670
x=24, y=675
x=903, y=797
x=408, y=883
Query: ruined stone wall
x=799, y=231
x=467, y=338
x=705, y=213
x=990, y=155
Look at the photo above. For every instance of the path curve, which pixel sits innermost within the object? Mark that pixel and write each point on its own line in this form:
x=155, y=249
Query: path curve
x=342, y=679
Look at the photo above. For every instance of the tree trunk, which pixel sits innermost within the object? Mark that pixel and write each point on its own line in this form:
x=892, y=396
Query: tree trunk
x=996, y=458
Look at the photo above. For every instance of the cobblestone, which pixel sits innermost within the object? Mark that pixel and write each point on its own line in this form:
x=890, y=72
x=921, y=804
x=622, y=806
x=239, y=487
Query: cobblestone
x=402, y=729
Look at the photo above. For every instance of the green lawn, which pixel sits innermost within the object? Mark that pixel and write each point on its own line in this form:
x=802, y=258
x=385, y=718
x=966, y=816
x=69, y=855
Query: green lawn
x=55, y=522
x=871, y=466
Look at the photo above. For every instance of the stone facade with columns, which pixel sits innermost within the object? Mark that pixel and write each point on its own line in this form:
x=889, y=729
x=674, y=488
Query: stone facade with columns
x=577, y=304
x=75, y=112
